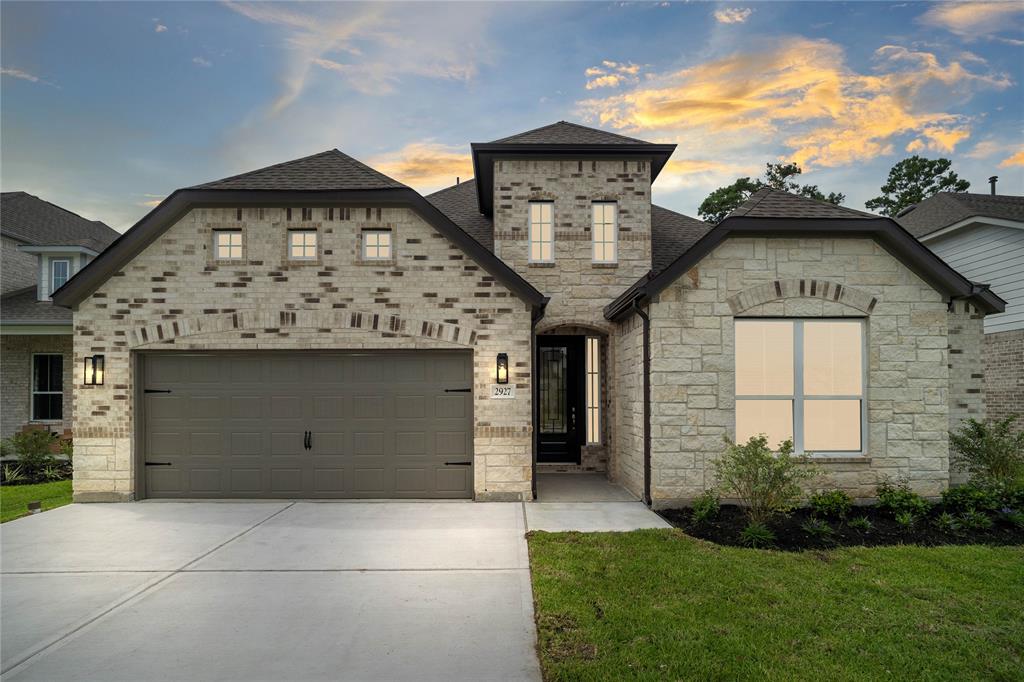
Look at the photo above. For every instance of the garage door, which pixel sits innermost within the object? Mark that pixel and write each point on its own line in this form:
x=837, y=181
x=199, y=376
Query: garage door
x=307, y=425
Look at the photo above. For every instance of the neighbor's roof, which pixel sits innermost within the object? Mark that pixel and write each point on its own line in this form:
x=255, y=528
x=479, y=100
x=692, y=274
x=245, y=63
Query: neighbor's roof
x=329, y=170
x=773, y=203
x=948, y=208
x=24, y=306
x=34, y=221
x=564, y=132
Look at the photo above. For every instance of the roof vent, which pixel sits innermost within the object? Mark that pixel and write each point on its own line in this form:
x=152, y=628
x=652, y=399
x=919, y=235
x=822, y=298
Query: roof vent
x=992, y=181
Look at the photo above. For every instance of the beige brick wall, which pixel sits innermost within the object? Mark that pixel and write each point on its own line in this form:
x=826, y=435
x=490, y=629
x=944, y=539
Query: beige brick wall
x=966, y=370
x=1004, y=375
x=16, y=379
x=693, y=358
x=175, y=295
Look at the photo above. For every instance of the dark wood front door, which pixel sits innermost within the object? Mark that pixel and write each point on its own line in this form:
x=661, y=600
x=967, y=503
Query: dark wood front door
x=562, y=414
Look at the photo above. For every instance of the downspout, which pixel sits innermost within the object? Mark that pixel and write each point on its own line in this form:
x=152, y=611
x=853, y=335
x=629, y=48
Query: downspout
x=647, y=399
x=538, y=315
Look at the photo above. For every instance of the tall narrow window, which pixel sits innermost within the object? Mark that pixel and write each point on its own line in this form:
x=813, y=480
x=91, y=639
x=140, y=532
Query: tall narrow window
x=605, y=229
x=801, y=380
x=376, y=244
x=593, y=389
x=227, y=244
x=60, y=271
x=542, y=232
x=302, y=244
x=47, y=387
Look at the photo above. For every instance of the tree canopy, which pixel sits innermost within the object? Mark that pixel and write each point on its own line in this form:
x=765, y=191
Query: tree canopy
x=725, y=200
x=913, y=180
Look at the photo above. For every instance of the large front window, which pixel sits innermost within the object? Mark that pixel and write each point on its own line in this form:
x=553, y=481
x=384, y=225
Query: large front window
x=47, y=387
x=542, y=232
x=801, y=380
x=604, y=215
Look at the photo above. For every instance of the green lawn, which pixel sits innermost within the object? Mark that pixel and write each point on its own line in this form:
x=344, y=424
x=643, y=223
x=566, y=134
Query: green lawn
x=660, y=605
x=14, y=499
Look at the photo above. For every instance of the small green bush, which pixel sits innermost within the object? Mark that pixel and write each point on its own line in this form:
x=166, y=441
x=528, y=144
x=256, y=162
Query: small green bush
x=757, y=535
x=14, y=474
x=33, y=450
x=861, y=523
x=989, y=450
x=905, y=518
x=898, y=498
x=833, y=503
x=818, y=528
x=1015, y=518
x=972, y=496
x=976, y=520
x=765, y=482
x=948, y=523
x=705, y=507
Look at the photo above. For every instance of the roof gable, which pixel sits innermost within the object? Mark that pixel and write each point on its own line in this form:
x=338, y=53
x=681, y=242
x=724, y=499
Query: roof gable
x=948, y=208
x=564, y=132
x=328, y=170
x=34, y=221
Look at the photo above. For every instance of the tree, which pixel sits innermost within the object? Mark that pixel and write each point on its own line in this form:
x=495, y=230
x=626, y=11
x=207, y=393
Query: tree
x=725, y=200
x=913, y=180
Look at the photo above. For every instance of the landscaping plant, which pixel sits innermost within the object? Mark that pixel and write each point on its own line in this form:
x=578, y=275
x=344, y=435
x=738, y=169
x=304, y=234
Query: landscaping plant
x=833, y=503
x=757, y=535
x=817, y=528
x=861, y=523
x=897, y=498
x=947, y=523
x=905, y=518
x=989, y=450
x=765, y=482
x=976, y=520
x=705, y=507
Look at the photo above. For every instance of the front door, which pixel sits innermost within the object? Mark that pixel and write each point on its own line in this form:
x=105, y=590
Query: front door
x=562, y=412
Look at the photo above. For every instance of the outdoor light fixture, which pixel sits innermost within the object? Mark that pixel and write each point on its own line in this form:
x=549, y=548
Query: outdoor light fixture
x=502, y=368
x=94, y=370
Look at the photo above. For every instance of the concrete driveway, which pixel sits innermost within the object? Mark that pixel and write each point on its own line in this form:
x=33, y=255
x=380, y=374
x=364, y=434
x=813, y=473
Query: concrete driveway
x=268, y=591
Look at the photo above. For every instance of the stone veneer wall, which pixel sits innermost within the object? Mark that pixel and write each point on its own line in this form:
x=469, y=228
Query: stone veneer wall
x=627, y=467
x=16, y=378
x=693, y=358
x=175, y=295
x=966, y=370
x=1004, y=375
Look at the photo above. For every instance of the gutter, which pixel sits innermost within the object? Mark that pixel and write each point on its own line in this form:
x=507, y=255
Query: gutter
x=535, y=318
x=647, y=400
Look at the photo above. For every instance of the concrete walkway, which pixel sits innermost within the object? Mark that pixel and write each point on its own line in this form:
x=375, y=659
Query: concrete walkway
x=587, y=502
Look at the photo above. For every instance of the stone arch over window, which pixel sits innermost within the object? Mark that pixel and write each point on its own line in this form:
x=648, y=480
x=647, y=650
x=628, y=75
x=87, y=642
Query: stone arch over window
x=574, y=327
x=282, y=320
x=822, y=289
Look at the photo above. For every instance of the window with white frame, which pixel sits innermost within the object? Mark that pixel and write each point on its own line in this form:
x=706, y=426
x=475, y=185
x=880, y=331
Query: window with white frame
x=302, y=244
x=376, y=244
x=593, y=371
x=802, y=380
x=60, y=272
x=605, y=229
x=227, y=244
x=542, y=232
x=47, y=387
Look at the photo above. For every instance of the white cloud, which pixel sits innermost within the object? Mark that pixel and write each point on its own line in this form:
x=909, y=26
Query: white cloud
x=611, y=74
x=199, y=61
x=24, y=75
x=159, y=28
x=733, y=15
x=971, y=20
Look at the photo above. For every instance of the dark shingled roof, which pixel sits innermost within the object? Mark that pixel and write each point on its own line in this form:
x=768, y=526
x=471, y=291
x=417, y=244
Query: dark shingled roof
x=329, y=170
x=671, y=233
x=564, y=132
x=774, y=203
x=458, y=202
x=23, y=306
x=947, y=208
x=31, y=220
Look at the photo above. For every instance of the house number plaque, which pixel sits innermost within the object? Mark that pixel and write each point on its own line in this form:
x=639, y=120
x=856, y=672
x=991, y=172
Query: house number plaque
x=503, y=391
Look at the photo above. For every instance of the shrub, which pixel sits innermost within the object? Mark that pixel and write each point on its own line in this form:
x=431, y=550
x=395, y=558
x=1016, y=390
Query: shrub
x=817, y=528
x=861, y=523
x=831, y=503
x=765, y=482
x=898, y=498
x=976, y=520
x=705, y=507
x=52, y=472
x=972, y=496
x=1015, y=518
x=989, y=450
x=33, y=450
x=14, y=474
x=905, y=519
x=948, y=523
x=757, y=535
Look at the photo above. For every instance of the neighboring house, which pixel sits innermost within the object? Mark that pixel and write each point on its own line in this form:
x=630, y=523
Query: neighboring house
x=982, y=236
x=318, y=329
x=43, y=247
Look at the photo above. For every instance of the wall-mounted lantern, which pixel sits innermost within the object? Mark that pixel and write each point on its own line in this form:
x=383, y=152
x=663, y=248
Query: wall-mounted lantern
x=502, y=368
x=94, y=370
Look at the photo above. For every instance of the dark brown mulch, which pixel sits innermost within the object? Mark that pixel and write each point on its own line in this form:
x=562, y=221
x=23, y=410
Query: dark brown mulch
x=725, y=529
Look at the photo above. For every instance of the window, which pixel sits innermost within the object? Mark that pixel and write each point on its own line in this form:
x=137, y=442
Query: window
x=227, y=244
x=302, y=244
x=593, y=389
x=47, y=387
x=542, y=238
x=801, y=380
x=376, y=244
x=605, y=217
x=60, y=272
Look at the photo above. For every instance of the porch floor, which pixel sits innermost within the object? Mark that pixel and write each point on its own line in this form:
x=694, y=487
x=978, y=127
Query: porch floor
x=580, y=488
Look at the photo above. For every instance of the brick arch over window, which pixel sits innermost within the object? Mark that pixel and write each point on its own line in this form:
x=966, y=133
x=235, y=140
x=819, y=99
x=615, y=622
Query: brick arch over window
x=591, y=326
x=248, y=320
x=823, y=289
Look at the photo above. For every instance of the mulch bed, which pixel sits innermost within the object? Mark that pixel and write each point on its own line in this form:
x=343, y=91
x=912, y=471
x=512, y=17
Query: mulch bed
x=725, y=529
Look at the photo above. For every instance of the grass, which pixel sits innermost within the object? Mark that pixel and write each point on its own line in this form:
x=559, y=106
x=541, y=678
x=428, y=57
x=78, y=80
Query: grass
x=14, y=499
x=660, y=605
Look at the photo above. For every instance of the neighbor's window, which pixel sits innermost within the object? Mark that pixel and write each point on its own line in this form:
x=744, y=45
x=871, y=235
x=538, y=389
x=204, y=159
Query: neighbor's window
x=302, y=244
x=605, y=229
x=60, y=271
x=376, y=244
x=47, y=387
x=227, y=244
x=542, y=232
x=801, y=380
x=593, y=389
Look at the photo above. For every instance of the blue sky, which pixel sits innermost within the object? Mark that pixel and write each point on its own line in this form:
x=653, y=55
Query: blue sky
x=108, y=107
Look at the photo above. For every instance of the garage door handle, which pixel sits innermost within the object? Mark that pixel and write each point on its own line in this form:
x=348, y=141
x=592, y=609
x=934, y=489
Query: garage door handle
x=157, y=390
x=307, y=440
x=458, y=390
x=458, y=464
x=158, y=464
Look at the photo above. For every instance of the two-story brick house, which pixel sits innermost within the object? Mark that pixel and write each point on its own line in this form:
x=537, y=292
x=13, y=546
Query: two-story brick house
x=43, y=246
x=318, y=329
